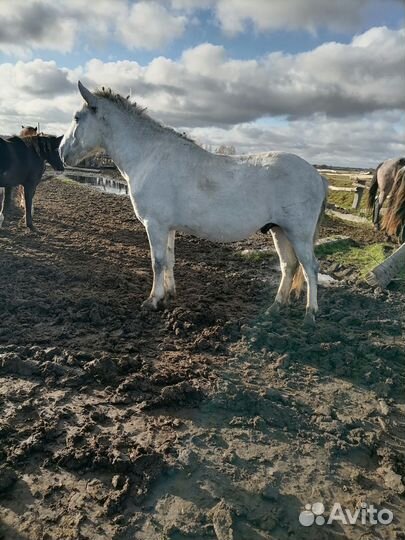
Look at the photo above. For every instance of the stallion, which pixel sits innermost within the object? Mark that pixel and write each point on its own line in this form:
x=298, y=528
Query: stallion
x=175, y=185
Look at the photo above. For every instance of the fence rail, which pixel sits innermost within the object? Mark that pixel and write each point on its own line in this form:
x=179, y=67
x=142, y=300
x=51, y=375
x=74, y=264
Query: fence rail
x=359, y=185
x=359, y=182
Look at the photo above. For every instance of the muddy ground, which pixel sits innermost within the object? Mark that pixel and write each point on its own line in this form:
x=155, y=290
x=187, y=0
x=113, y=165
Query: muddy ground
x=204, y=421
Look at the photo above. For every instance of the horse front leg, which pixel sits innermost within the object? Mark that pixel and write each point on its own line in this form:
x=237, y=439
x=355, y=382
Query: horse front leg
x=29, y=193
x=158, y=241
x=170, y=285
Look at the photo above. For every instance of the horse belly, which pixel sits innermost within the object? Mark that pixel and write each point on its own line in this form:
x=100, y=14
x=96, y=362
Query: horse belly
x=223, y=220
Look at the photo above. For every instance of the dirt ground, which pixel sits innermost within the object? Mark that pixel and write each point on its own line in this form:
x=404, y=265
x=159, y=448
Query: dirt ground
x=204, y=421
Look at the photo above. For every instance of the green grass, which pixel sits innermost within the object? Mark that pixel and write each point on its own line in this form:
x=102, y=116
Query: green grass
x=67, y=180
x=344, y=199
x=362, y=259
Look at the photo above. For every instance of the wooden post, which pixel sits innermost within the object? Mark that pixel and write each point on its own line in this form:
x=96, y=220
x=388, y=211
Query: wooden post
x=384, y=273
x=358, y=194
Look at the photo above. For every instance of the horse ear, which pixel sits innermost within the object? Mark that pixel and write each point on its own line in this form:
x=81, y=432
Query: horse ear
x=88, y=97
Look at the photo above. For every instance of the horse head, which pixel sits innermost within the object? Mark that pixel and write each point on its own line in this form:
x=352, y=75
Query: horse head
x=28, y=131
x=48, y=149
x=85, y=134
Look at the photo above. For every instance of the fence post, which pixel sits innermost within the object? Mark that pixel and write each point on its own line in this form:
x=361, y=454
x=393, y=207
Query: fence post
x=358, y=194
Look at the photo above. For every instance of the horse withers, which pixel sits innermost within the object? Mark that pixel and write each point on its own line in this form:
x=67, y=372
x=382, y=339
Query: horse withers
x=382, y=183
x=175, y=185
x=22, y=162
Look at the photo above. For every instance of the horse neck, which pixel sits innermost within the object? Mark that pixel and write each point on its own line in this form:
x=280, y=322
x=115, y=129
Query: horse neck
x=35, y=144
x=132, y=139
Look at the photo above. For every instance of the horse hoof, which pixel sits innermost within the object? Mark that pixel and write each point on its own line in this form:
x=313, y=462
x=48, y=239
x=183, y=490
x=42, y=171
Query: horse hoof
x=309, y=320
x=153, y=304
x=273, y=310
x=170, y=295
x=150, y=304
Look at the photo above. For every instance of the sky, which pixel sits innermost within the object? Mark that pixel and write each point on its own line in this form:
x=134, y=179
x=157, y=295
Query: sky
x=324, y=79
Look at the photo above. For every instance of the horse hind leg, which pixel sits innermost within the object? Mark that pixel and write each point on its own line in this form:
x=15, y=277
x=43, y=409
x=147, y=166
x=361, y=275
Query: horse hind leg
x=304, y=250
x=379, y=201
x=288, y=266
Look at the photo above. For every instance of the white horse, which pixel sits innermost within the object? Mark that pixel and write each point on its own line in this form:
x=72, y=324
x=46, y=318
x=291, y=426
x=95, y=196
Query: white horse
x=176, y=185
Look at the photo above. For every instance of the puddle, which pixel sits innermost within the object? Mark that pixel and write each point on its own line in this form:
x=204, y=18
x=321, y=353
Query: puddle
x=101, y=183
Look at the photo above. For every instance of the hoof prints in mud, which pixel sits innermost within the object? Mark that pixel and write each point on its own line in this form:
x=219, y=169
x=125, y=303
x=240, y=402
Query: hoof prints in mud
x=205, y=420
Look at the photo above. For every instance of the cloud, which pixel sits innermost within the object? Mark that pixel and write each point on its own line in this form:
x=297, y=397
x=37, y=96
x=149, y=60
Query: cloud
x=294, y=14
x=149, y=25
x=268, y=15
x=338, y=99
x=357, y=141
x=206, y=87
x=152, y=24
x=26, y=25
x=59, y=26
x=36, y=91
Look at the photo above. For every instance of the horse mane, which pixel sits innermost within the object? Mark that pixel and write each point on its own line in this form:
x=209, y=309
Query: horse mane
x=395, y=215
x=136, y=110
x=39, y=143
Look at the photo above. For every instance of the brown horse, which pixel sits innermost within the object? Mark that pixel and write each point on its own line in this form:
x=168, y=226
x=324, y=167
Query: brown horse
x=28, y=131
x=22, y=162
x=383, y=180
x=394, y=220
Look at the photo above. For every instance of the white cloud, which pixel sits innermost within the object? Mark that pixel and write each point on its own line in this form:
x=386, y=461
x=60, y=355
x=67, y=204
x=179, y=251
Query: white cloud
x=205, y=87
x=234, y=15
x=149, y=25
x=59, y=25
x=27, y=26
x=294, y=14
x=339, y=99
x=357, y=141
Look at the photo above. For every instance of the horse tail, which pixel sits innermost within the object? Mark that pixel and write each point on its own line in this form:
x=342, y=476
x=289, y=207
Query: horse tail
x=299, y=279
x=395, y=215
x=372, y=193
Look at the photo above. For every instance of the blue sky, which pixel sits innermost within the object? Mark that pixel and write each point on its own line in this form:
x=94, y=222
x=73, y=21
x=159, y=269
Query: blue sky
x=227, y=71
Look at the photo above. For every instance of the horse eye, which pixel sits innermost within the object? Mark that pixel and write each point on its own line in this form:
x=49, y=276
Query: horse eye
x=77, y=118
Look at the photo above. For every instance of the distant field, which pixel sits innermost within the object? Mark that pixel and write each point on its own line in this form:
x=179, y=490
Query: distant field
x=344, y=199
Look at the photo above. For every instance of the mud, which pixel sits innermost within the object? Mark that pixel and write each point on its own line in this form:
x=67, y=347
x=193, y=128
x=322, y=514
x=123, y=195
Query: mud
x=206, y=420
